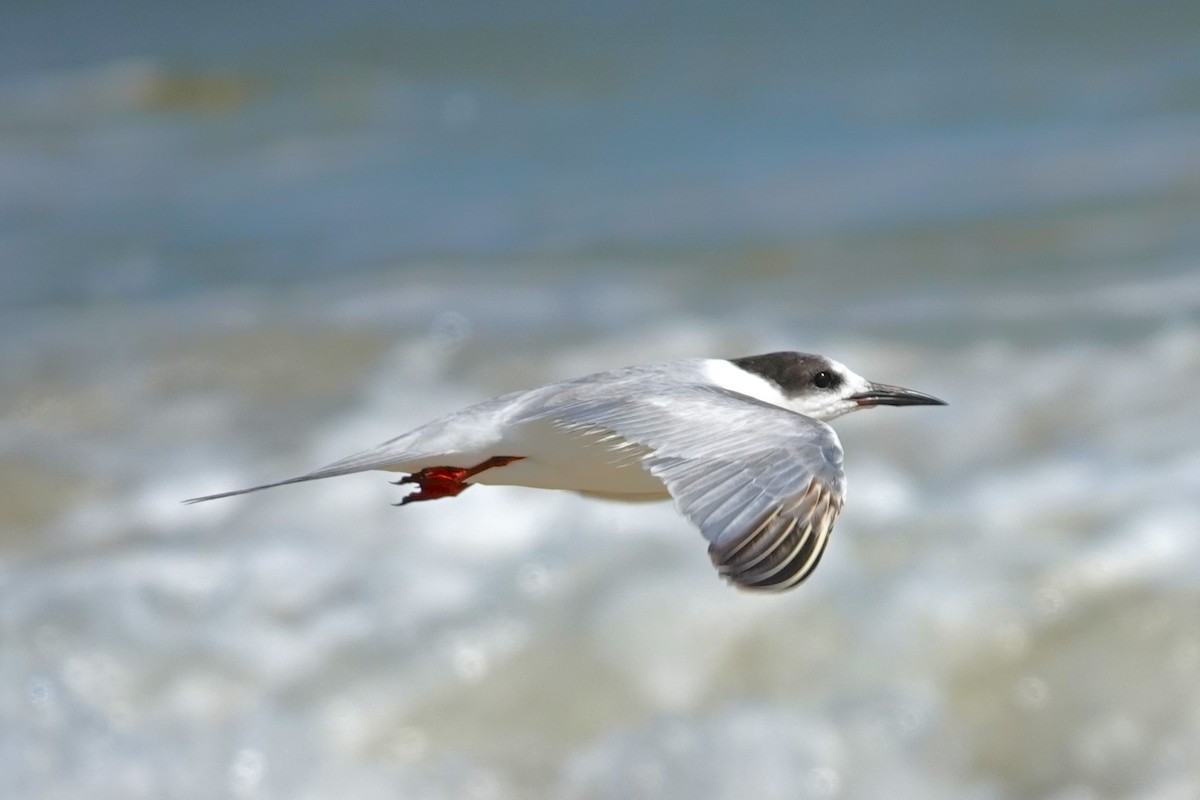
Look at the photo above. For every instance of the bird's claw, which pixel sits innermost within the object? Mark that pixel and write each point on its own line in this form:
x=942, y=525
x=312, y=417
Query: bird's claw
x=436, y=482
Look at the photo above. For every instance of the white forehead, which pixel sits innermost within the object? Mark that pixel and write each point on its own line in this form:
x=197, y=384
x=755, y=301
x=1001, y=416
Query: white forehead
x=853, y=382
x=839, y=366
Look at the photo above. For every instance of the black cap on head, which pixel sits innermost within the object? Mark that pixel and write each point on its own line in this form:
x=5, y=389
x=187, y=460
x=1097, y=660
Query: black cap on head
x=792, y=372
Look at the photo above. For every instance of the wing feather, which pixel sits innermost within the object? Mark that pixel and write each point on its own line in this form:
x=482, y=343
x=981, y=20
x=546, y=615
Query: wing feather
x=763, y=484
x=786, y=547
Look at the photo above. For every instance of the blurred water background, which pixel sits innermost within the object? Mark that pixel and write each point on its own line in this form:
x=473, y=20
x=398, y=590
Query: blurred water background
x=240, y=240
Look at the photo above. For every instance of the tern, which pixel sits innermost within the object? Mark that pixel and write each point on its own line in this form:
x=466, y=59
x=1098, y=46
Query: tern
x=741, y=444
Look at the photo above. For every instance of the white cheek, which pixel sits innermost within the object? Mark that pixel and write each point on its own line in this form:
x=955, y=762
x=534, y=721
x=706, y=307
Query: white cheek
x=822, y=408
x=836, y=408
x=835, y=404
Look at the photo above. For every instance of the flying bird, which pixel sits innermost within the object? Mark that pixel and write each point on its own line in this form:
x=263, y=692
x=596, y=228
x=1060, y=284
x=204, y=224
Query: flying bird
x=741, y=444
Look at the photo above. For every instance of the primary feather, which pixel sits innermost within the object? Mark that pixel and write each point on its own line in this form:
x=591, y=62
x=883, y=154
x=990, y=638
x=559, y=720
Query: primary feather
x=764, y=492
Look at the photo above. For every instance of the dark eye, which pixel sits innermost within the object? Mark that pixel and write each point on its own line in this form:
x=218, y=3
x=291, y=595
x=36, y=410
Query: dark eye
x=824, y=379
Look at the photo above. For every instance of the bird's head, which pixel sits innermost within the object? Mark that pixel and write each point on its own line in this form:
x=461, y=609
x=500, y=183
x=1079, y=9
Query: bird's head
x=824, y=389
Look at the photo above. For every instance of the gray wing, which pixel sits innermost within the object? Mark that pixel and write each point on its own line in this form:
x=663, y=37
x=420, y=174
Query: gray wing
x=763, y=484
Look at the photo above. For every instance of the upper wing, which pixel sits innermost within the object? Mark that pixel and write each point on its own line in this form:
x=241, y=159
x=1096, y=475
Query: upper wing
x=763, y=484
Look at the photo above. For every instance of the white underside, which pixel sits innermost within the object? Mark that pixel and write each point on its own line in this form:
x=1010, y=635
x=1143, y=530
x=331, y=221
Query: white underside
x=552, y=458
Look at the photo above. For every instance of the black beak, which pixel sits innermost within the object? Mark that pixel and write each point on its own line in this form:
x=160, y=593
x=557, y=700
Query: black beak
x=878, y=394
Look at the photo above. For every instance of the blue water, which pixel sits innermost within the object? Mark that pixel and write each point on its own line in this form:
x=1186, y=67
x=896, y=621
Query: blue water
x=238, y=242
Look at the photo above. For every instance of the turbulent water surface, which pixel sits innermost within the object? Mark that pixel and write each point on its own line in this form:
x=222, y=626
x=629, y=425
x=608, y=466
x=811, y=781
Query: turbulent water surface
x=233, y=248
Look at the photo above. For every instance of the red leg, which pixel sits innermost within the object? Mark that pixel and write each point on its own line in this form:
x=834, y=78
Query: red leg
x=436, y=482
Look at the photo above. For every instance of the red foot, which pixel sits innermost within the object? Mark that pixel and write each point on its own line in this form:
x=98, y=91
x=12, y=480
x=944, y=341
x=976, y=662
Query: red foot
x=436, y=482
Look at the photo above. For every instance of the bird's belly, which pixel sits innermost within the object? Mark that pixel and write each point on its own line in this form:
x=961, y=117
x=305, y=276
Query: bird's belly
x=555, y=459
x=580, y=476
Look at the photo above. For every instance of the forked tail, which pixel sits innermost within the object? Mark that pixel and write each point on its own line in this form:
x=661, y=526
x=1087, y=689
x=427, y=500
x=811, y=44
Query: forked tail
x=382, y=457
x=312, y=476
